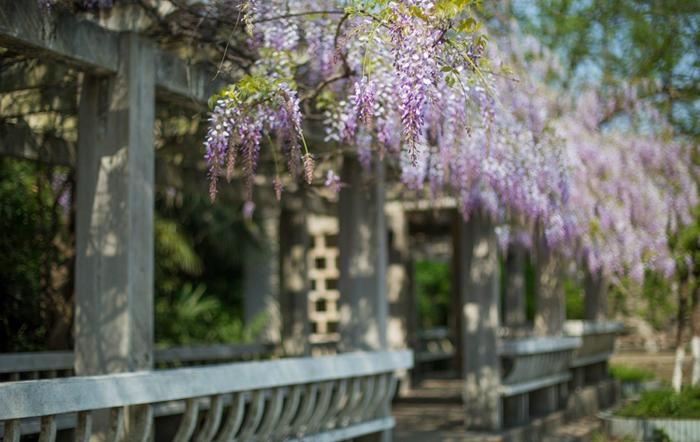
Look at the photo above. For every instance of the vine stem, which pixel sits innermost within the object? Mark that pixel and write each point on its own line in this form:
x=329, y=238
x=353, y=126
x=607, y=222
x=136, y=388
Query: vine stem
x=298, y=14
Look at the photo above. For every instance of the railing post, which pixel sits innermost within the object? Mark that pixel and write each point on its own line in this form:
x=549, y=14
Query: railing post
x=114, y=220
x=477, y=277
x=261, y=280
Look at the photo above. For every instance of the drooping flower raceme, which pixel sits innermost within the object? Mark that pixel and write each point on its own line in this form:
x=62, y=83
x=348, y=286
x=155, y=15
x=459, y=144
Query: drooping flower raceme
x=242, y=115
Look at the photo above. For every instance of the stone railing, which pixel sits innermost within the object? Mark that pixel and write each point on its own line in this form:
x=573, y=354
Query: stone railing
x=434, y=352
x=534, y=376
x=590, y=361
x=52, y=364
x=434, y=344
x=327, y=398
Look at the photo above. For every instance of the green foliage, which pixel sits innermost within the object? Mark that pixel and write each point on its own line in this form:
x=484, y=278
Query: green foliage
x=633, y=41
x=660, y=306
x=34, y=243
x=573, y=295
x=665, y=403
x=175, y=256
x=196, y=318
x=626, y=373
x=21, y=217
x=659, y=435
x=198, y=280
x=433, y=288
x=530, y=289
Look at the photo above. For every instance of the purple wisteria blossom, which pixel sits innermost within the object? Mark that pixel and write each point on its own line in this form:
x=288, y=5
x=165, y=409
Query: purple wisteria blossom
x=333, y=182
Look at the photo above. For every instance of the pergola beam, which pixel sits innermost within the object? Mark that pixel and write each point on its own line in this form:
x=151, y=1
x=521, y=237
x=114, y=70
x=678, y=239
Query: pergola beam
x=21, y=142
x=26, y=28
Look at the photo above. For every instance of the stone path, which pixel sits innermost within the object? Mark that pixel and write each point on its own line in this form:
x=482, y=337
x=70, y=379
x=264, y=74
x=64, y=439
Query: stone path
x=433, y=412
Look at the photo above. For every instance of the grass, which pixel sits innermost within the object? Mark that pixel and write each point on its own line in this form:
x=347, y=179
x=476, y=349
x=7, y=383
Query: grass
x=626, y=373
x=600, y=436
x=665, y=403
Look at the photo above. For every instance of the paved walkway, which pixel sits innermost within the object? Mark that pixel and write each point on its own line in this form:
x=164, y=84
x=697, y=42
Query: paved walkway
x=433, y=412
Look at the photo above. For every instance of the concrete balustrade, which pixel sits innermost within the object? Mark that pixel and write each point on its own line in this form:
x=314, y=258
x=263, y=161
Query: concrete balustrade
x=534, y=376
x=327, y=398
x=590, y=361
x=52, y=364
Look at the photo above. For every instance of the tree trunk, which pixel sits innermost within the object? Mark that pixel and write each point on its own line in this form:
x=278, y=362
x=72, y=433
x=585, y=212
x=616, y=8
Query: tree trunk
x=677, y=380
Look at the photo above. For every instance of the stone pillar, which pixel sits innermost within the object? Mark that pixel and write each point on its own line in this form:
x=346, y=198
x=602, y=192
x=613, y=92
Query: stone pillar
x=476, y=255
x=550, y=309
x=261, y=267
x=114, y=219
x=362, y=239
x=514, y=309
x=595, y=296
x=402, y=307
x=363, y=258
x=294, y=276
x=114, y=224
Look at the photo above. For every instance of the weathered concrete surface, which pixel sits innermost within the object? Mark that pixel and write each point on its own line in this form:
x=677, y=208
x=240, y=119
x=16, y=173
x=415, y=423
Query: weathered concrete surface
x=402, y=308
x=24, y=26
x=595, y=293
x=514, y=303
x=114, y=220
x=433, y=412
x=261, y=285
x=478, y=283
x=363, y=258
x=550, y=311
x=294, y=277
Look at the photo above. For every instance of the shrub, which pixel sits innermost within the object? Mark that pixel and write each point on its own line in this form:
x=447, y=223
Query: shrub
x=625, y=373
x=665, y=403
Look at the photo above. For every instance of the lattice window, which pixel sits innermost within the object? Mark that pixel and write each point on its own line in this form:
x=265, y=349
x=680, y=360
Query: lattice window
x=323, y=274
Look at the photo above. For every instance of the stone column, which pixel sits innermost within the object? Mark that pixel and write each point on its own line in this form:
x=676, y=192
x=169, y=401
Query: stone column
x=514, y=314
x=114, y=225
x=294, y=276
x=402, y=307
x=362, y=240
x=550, y=309
x=478, y=280
x=261, y=268
x=402, y=320
x=363, y=258
x=595, y=296
x=114, y=219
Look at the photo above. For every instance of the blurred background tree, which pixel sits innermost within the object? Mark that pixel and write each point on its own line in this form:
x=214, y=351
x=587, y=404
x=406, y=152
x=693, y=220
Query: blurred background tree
x=644, y=42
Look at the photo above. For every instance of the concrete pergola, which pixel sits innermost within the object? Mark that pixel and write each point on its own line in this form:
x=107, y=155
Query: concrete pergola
x=123, y=75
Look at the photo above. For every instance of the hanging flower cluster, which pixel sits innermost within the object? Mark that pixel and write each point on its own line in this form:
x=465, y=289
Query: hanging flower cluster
x=631, y=190
x=413, y=81
x=629, y=183
x=245, y=113
x=376, y=69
